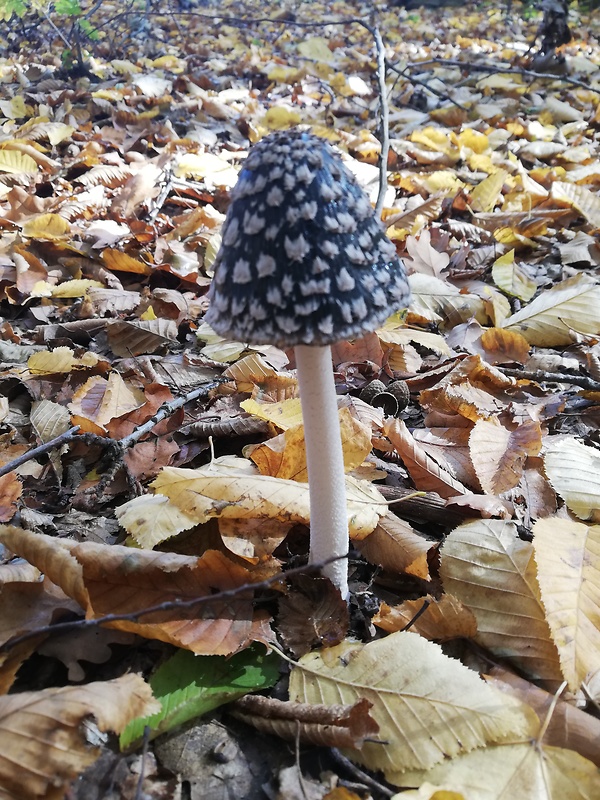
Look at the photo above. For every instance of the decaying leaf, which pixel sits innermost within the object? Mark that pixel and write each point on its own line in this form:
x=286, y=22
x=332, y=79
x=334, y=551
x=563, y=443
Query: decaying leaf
x=41, y=741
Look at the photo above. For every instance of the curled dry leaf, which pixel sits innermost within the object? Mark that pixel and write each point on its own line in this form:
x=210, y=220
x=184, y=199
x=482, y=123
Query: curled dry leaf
x=489, y=569
x=425, y=472
x=428, y=706
x=41, y=740
x=324, y=725
x=567, y=554
x=396, y=546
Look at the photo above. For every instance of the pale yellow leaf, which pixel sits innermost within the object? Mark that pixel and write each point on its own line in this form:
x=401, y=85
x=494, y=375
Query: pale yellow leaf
x=16, y=163
x=527, y=771
x=285, y=414
x=573, y=470
x=75, y=288
x=316, y=48
x=49, y=419
x=557, y=315
x=512, y=278
x=428, y=706
x=567, y=554
x=49, y=227
x=582, y=199
x=232, y=488
x=438, y=301
x=487, y=193
x=61, y=359
x=489, y=569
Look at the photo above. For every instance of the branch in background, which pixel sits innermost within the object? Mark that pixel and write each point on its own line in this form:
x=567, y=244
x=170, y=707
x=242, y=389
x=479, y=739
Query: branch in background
x=404, y=73
x=384, y=122
x=38, y=451
x=554, y=377
x=494, y=69
x=166, y=410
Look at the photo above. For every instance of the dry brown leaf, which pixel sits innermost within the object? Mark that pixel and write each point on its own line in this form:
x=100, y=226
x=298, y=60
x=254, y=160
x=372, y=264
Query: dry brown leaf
x=135, y=338
x=99, y=401
x=111, y=579
x=396, y=546
x=502, y=346
x=425, y=472
x=499, y=454
x=441, y=621
x=568, y=726
x=41, y=740
x=11, y=489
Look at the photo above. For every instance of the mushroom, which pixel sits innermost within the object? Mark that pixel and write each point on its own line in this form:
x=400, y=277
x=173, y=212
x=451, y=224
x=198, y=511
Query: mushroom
x=304, y=263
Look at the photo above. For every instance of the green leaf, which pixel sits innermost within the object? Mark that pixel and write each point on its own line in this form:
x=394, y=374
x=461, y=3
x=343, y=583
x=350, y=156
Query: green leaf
x=90, y=31
x=69, y=7
x=10, y=7
x=189, y=686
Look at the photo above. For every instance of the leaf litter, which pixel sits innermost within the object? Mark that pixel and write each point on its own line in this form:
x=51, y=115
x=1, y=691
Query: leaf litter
x=172, y=467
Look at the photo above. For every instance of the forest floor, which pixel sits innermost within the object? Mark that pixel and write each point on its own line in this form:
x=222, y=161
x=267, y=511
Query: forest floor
x=172, y=464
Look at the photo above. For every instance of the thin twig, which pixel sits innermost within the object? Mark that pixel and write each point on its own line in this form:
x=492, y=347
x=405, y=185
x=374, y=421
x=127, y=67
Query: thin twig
x=553, y=377
x=169, y=605
x=495, y=70
x=384, y=122
x=419, y=82
x=358, y=773
x=40, y=450
x=139, y=789
x=166, y=410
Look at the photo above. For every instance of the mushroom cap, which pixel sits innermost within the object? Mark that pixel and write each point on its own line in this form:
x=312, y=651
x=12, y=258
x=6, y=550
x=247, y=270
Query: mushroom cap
x=303, y=260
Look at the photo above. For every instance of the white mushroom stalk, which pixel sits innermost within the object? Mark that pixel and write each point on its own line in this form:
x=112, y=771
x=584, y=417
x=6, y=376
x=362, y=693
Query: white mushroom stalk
x=325, y=463
x=305, y=263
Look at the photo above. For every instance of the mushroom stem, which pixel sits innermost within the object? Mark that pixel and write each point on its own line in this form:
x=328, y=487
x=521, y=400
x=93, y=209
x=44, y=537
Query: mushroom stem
x=325, y=462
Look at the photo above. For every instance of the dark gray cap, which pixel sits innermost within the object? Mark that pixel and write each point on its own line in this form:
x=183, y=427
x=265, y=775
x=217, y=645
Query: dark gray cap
x=304, y=260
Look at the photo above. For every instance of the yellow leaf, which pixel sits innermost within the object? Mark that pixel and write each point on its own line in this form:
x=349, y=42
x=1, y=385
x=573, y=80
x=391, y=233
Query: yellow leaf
x=207, y=166
x=61, y=359
x=578, y=197
x=121, y=262
x=279, y=117
x=316, y=48
x=285, y=456
x=75, y=288
x=285, y=414
x=232, y=488
x=16, y=163
x=429, y=707
x=475, y=141
x=567, y=554
x=487, y=193
x=524, y=771
x=489, y=569
x=99, y=400
x=512, y=278
x=51, y=227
